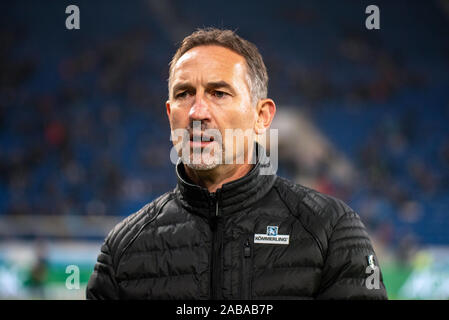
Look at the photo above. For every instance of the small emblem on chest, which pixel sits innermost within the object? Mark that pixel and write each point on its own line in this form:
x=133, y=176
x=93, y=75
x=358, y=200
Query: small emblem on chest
x=271, y=237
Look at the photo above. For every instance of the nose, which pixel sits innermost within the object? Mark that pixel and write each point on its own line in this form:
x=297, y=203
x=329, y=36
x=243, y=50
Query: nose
x=200, y=109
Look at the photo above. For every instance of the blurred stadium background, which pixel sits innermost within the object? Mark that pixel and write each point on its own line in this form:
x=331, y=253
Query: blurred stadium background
x=84, y=139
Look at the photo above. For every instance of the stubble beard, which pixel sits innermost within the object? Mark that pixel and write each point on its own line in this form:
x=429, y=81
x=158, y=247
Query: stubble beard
x=209, y=158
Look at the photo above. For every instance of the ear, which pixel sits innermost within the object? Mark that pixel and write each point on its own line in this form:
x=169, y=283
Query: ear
x=167, y=106
x=265, y=109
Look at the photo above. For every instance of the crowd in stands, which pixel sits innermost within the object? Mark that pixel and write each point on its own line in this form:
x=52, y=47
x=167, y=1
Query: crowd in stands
x=83, y=129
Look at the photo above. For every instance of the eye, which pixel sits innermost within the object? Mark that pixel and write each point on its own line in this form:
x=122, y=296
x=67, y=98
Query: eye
x=181, y=95
x=219, y=94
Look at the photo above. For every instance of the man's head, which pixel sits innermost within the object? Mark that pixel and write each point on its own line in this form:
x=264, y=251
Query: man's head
x=257, y=76
x=218, y=80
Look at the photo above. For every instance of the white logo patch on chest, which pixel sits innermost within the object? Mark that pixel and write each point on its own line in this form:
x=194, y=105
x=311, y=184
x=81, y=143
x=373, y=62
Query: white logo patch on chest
x=271, y=237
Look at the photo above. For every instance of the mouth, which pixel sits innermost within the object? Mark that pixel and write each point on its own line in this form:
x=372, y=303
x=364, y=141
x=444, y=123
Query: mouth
x=200, y=140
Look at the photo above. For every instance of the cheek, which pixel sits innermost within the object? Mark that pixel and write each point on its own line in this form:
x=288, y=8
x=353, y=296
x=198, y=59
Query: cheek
x=243, y=120
x=240, y=115
x=179, y=118
x=178, y=122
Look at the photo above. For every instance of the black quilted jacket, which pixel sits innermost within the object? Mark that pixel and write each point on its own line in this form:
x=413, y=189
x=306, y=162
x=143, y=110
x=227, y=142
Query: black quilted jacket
x=259, y=237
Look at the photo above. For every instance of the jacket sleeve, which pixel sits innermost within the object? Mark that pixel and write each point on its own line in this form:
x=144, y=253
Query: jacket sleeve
x=349, y=268
x=102, y=284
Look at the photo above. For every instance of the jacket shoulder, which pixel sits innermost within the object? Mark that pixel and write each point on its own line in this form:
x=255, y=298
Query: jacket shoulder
x=121, y=236
x=319, y=213
x=320, y=205
x=343, y=240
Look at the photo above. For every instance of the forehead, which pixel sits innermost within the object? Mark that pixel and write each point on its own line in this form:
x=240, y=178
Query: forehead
x=210, y=61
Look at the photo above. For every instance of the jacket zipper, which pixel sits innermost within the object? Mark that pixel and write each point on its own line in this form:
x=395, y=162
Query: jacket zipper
x=215, y=283
x=246, y=270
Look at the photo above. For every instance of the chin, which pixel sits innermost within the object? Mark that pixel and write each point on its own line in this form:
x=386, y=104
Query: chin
x=208, y=161
x=202, y=166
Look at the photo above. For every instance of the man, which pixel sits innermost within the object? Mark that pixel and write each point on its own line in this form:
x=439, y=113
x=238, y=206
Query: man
x=229, y=230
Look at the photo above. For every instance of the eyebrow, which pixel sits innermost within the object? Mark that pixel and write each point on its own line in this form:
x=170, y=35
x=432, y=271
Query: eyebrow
x=209, y=86
x=220, y=84
x=182, y=86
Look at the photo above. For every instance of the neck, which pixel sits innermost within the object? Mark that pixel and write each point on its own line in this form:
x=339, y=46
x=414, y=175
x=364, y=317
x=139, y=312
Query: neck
x=214, y=179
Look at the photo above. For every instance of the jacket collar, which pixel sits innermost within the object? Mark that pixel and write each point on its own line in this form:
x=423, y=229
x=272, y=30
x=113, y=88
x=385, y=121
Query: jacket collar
x=234, y=196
